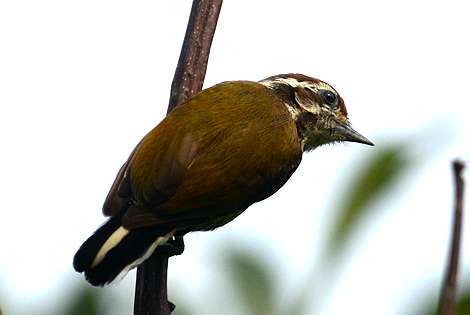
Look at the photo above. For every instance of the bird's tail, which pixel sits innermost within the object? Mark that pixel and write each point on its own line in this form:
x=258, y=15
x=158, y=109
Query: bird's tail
x=113, y=250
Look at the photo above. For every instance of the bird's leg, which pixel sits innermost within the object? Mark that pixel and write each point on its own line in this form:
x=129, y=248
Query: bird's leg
x=173, y=247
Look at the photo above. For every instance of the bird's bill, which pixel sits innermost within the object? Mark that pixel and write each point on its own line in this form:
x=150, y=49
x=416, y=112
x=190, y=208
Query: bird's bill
x=347, y=133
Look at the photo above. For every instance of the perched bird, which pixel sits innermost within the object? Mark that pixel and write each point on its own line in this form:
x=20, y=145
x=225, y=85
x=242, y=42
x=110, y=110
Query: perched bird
x=213, y=156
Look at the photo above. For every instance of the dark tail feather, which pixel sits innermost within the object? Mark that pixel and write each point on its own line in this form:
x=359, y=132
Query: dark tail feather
x=87, y=252
x=113, y=250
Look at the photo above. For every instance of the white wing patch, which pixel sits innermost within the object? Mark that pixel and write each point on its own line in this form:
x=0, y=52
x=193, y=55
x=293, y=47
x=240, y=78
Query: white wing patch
x=159, y=241
x=110, y=243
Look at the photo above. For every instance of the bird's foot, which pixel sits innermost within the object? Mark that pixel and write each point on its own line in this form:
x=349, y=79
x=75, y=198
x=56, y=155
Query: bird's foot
x=173, y=247
x=171, y=306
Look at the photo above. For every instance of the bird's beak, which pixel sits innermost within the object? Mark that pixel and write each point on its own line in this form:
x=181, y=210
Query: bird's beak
x=347, y=133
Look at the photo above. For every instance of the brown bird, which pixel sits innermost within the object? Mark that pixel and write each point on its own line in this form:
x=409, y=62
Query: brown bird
x=213, y=156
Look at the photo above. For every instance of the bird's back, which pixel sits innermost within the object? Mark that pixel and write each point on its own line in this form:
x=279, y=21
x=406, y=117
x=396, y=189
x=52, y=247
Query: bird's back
x=227, y=148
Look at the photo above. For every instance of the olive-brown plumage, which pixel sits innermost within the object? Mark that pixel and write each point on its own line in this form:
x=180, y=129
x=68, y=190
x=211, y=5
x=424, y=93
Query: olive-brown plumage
x=212, y=157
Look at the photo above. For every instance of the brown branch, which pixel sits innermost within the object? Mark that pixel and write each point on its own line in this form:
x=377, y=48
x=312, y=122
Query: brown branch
x=449, y=287
x=151, y=284
x=150, y=288
x=191, y=69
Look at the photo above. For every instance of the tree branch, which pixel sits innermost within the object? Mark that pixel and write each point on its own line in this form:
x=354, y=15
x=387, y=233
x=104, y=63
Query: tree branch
x=449, y=287
x=151, y=284
x=191, y=69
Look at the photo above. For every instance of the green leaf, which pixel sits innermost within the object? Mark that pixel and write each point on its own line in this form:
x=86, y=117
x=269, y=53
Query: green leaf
x=253, y=283
x=377, y=176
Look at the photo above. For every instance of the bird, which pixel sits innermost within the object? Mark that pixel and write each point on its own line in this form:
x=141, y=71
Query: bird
x=213, y=156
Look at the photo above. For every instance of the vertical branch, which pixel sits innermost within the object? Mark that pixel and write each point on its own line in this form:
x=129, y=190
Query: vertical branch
x=449, y=287
x=151, y=284
x=151, y=297
x=191, y=68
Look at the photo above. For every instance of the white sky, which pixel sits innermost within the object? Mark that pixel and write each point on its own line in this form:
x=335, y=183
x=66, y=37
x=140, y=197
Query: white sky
x=82, y=82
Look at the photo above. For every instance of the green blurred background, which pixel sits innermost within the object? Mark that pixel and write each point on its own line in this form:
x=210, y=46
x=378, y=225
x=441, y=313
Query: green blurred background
x=250, y=277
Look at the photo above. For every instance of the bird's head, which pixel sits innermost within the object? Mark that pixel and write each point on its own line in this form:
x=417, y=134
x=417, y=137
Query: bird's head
x=316, y=107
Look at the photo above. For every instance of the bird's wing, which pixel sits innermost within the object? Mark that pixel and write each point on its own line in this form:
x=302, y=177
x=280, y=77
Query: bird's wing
x=193, y=166
x=120, y=192
x=160, y=162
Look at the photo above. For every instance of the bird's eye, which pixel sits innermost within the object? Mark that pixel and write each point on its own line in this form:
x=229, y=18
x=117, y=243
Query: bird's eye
x=329, y=97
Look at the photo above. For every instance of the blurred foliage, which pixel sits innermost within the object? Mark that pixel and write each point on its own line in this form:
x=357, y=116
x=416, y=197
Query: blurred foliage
x=463, y=305
x=252, y=282
x=375, y=179
x=84, y=301
x=181, y=310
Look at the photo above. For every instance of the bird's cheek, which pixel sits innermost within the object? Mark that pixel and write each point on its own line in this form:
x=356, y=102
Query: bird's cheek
x=326, y=123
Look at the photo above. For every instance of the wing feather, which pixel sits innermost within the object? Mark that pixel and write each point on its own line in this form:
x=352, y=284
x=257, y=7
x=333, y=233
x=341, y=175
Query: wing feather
x=192, y=166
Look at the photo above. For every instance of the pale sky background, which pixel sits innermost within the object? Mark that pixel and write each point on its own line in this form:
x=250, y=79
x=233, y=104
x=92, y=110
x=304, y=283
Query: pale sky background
x=82, y=81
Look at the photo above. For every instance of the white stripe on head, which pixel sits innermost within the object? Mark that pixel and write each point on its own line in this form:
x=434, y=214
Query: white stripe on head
x=299, y=83
x=314, y=86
